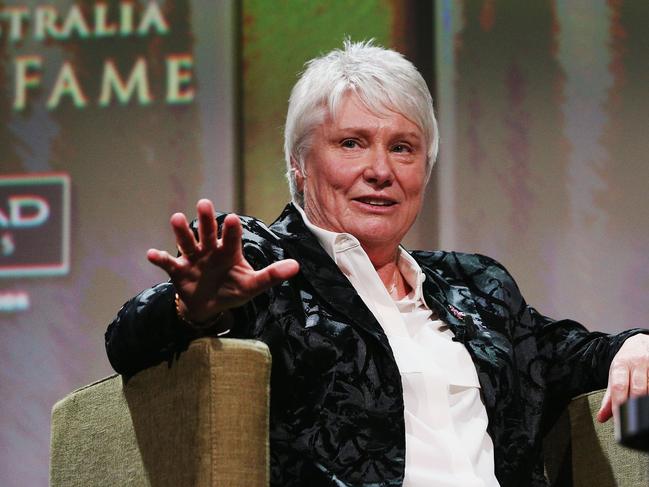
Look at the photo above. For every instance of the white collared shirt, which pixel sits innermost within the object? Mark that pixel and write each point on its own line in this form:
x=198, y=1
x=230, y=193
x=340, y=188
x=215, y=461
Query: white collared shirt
x=447, y=444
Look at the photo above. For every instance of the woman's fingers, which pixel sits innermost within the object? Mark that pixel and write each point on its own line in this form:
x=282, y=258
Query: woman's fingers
x=207, y=232
x=606, y=409
x=283, y=270
x=616, y=393
x=274, y=274
x=231, y=232
x=184, y=236
x=206, y=224
x=162, y=259
x=619, y=385
x=639, y=380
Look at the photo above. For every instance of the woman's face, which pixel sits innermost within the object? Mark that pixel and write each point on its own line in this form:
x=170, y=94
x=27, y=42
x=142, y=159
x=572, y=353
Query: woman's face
x=365, y=175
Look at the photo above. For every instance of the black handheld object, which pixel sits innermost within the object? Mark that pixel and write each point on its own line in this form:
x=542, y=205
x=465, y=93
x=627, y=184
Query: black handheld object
x=632, y=426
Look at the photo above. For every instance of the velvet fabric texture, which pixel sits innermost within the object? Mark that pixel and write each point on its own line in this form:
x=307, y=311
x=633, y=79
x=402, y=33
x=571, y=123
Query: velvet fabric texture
x=336, y=416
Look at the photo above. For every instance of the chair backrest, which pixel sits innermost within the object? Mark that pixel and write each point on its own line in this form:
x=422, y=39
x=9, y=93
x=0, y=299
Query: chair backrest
x=201, y=421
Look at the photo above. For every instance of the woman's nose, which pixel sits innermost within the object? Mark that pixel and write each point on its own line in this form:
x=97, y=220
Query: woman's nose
x=378, y=171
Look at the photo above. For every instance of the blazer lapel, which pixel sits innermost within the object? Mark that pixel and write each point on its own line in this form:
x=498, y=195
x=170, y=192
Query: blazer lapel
x=323, y=274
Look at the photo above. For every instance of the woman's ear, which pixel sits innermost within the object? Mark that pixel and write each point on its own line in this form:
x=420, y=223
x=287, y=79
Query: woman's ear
x=299, y=175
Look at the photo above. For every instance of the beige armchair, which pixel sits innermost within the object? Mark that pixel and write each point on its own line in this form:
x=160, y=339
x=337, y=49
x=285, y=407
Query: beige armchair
x=204, y=422
x=201, y=422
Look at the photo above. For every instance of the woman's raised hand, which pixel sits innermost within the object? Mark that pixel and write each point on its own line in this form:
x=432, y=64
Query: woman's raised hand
x=211, y=275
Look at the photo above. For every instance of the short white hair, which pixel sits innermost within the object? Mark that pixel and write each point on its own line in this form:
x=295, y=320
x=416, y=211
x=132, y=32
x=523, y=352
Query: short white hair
x=384, y=81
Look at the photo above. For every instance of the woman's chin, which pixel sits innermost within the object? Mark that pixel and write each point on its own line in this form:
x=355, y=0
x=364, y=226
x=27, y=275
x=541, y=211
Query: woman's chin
x=377, y=236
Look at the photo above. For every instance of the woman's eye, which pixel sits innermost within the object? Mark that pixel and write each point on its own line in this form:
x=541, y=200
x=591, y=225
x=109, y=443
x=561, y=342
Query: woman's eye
x=400, y=148
x=349, y=143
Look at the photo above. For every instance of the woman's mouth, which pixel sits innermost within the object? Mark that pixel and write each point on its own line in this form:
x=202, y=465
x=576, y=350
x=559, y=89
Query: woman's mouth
x=373, y=201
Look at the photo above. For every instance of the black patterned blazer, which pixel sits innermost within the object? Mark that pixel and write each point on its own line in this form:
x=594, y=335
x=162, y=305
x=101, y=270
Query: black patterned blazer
x=336, y=416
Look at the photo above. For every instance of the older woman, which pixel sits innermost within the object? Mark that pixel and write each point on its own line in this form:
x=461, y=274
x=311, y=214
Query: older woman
x=390, y=367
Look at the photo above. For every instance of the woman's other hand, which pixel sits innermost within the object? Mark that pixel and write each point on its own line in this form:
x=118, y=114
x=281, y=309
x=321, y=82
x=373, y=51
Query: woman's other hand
x=628, y=375
x=211, y=275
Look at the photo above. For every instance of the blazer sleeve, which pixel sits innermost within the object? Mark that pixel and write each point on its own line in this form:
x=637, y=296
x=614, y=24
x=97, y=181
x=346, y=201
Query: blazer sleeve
x=147, y=331
x=575, y=360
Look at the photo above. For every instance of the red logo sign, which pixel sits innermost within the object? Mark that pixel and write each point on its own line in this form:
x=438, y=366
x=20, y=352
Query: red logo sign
x=34, y=225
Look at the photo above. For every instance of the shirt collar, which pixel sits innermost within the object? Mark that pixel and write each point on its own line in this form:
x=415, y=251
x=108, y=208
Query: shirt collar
x=333, y=243
x=412, y=273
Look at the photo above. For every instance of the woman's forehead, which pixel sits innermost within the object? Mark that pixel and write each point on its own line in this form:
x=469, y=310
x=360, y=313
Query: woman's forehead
x=353, y=112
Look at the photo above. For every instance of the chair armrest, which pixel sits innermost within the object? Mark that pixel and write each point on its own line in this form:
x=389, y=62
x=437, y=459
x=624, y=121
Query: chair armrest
x=582, y=448
x=202, y=421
